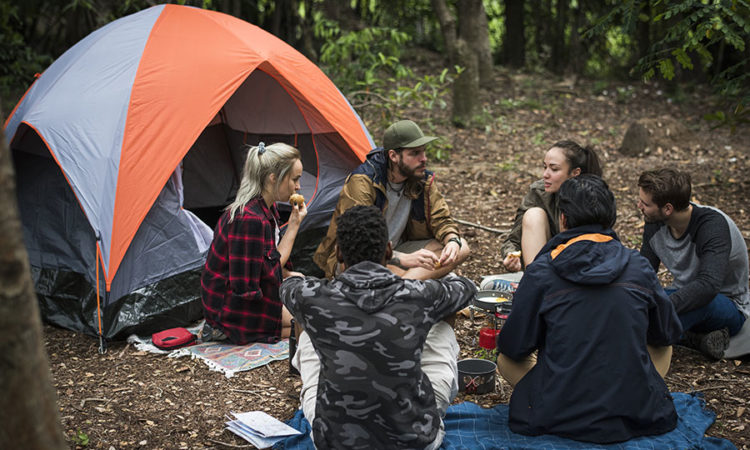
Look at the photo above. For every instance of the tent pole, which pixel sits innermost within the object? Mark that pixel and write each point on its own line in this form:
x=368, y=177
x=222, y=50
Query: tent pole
x=102, y=342
x=225, y=124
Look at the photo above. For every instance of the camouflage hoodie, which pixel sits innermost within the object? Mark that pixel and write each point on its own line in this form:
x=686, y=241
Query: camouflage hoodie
x=368, y=327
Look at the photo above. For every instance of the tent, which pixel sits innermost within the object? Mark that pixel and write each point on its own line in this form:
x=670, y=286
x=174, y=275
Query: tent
x=139, y=123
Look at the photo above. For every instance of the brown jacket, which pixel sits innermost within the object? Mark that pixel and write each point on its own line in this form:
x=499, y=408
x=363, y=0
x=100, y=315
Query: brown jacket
x=429, y=217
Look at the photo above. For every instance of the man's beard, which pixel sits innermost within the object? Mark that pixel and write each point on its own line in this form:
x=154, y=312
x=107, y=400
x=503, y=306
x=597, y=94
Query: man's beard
x=652, y=219
x=410, y=174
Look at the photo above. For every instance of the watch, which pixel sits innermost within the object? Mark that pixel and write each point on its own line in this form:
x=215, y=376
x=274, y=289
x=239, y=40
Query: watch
x=457, y=240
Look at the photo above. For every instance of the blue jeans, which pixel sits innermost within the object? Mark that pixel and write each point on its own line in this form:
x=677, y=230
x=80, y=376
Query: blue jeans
x=720, y=313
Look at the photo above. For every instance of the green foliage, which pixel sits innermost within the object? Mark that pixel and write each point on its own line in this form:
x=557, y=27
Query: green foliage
x=18, y=62
x=495, y=10
x=692, y=35
x=366, y=65
x=739, y=115
x=80, y=438
x=509, y=166
x=363, y=59
x=488, y=354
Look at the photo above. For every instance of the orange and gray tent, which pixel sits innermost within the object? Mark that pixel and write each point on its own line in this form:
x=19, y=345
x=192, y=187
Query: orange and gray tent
x=141, y=122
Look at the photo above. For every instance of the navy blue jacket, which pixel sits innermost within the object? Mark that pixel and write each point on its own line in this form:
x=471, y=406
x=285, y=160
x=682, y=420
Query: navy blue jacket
x=589, y=306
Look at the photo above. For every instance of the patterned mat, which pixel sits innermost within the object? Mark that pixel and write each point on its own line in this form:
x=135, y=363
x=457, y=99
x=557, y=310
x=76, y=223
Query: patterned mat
x=469, y=426
x=230, y=359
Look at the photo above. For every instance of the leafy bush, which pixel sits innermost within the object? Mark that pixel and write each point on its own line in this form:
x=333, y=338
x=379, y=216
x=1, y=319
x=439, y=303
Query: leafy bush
x=363, y=59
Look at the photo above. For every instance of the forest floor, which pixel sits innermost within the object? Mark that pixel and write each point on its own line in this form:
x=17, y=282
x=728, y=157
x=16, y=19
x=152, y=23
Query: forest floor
x=132, y=399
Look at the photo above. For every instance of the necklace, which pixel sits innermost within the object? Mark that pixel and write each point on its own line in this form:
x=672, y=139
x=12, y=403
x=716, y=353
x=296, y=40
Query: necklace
x=397, y=190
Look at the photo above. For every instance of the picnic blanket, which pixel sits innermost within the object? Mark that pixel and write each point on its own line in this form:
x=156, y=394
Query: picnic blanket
x=230, y=359
x=221, y=356
x=469, y=426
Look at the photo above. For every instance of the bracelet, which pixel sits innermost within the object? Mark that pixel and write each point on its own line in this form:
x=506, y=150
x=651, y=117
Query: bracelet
x=457, y=240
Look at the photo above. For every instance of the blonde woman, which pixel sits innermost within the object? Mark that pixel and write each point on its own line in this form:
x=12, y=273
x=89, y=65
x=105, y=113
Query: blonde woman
x=247, y=261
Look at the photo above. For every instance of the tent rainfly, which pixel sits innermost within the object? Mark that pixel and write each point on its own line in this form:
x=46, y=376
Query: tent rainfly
x=140, y=123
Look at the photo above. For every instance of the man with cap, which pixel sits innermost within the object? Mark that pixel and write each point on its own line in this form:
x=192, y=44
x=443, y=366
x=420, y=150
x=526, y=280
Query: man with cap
x=426, y=241
x=395, y=179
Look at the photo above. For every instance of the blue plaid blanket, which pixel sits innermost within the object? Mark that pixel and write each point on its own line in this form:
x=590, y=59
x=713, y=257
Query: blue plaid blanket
x=469, y=426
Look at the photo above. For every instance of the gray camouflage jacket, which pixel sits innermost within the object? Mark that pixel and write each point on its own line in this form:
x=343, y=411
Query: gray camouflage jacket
x=368, y=327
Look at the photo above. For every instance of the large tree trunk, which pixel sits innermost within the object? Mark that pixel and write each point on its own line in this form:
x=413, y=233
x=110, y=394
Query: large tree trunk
x=578, y=55
x=558, y=58
x=474, y=29
x=514, y=41
x=466, y=87
x=28, y=412
x=643, y=30
x=448, y=27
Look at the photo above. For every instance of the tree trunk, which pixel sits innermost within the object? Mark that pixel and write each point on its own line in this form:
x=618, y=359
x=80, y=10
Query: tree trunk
x=578, y=55
x=448, y=27
x=28, y=410
x=474, y=29
x=558, y=58
x=542, y=32
x=514, y=41
x=643, y=30
x=466, y=86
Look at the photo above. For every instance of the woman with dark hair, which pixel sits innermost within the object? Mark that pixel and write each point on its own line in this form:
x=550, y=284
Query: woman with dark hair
x=248, y=258
x=537, y=219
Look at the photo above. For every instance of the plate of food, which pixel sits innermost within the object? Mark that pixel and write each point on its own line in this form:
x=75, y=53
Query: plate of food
x=494, y=301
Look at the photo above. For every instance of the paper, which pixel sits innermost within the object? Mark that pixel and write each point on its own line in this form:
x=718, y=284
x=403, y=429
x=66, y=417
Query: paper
x=260, y=429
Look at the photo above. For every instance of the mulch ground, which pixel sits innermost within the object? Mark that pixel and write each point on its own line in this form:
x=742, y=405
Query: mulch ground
x=131, y=399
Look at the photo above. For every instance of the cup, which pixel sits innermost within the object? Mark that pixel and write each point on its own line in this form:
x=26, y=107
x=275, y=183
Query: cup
x=487, y=338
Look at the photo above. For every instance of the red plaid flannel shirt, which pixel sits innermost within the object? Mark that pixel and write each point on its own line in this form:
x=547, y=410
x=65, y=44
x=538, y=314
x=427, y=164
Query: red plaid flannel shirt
x=241, y=278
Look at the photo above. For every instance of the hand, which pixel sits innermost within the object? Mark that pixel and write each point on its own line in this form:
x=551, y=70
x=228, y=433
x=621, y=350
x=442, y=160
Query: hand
x=512, y=263
x=421, y=258
x=449, y=254
x=298, y=213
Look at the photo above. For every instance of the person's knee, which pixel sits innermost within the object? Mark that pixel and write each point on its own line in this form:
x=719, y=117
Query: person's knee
x=661, y=357
x=512, y=371
x=306, y=361
x=439, y=364
x=534, y=218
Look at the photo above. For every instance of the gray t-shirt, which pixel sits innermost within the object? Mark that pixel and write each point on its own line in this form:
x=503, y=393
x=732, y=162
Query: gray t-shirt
x=709, y=258
x=396, y=212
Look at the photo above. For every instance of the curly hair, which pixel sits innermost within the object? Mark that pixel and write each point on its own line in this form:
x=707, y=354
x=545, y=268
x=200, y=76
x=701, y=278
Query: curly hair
x=362, y=235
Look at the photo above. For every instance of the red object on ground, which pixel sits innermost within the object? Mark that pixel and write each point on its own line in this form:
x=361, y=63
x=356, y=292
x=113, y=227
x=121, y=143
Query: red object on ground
x=487, y=338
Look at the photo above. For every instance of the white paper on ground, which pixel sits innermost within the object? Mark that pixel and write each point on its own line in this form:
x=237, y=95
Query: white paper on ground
x=259, y=428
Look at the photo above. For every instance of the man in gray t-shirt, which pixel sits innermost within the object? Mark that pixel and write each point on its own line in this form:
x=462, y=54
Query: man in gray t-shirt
x=706, y=254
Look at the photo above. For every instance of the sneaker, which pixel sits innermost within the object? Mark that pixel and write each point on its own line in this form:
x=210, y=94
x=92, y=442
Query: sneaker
x=210, y=334
x=712, y=344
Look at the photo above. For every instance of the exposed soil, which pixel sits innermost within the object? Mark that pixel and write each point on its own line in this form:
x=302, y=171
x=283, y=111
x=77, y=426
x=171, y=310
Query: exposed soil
x=132, y=399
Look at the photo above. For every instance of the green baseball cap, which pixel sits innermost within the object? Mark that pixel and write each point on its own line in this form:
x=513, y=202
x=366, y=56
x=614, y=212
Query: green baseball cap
x=404, y=134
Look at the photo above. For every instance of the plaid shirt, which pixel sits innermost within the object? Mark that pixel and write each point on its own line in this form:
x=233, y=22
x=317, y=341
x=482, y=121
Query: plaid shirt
x=241, y=278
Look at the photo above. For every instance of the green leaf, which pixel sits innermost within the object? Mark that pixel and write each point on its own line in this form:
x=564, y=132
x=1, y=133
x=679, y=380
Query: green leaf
x=683, y=58
x=666, y=68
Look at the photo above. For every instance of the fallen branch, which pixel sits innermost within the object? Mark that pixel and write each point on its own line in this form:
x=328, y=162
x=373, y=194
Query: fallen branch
x=709, y=388
x=476, y=225
x=246, y=391
x=226, y=444
x=91, y=399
